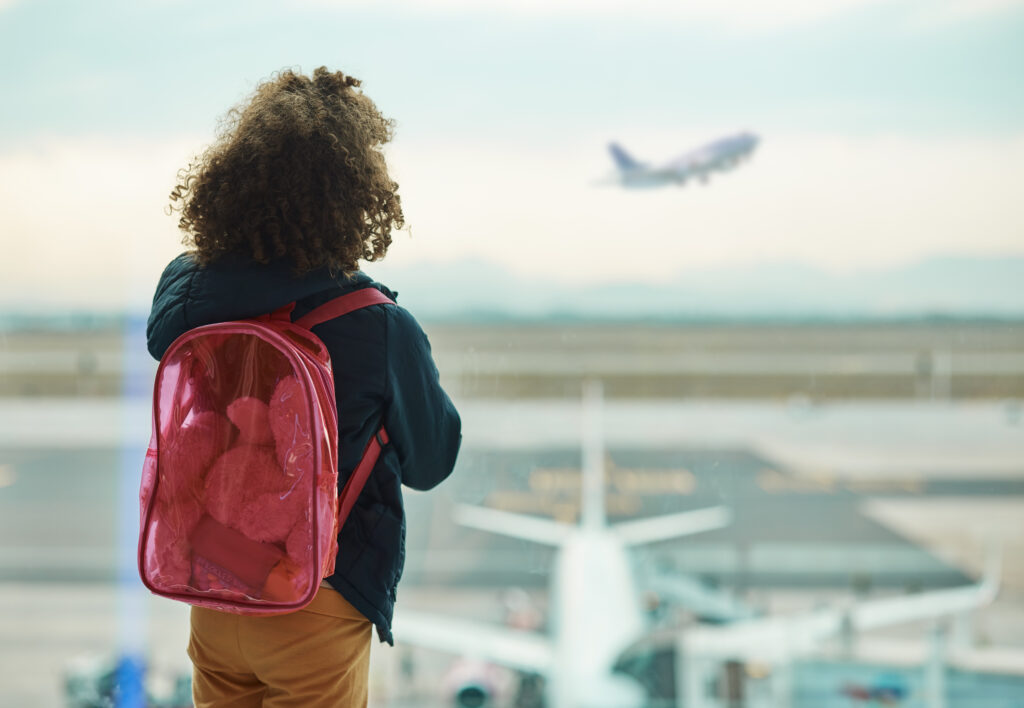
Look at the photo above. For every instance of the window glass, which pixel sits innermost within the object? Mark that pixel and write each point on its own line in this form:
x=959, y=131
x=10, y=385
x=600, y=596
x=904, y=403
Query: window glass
x=727, y=297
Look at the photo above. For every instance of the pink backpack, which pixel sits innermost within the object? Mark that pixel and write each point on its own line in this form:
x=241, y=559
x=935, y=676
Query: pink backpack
x=239, y=498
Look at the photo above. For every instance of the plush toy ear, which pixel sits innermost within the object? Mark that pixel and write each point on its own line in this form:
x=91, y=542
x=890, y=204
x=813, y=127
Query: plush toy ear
x=250, y=417
x=192, y=449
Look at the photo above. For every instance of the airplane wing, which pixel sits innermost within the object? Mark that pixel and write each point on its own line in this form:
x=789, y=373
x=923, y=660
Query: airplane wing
x=515, y=648
x=684, y=164
x=781, y=637
x=505, y=523
x=668, y=526
x=693, y=162
x=703, y=601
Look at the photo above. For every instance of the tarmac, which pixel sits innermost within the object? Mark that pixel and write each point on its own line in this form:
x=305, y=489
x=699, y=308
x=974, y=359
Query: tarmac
x=890, y=497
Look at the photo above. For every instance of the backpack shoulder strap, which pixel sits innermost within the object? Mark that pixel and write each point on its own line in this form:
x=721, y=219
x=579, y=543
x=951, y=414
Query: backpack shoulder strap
x=342, y=305
x=360, y=474
x=337, y=307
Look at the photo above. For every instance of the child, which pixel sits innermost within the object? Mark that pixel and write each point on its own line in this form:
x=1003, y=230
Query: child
x=280, y=209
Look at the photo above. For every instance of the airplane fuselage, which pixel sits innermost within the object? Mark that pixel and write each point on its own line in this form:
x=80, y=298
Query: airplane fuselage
x=595, y=612
x=596, y=615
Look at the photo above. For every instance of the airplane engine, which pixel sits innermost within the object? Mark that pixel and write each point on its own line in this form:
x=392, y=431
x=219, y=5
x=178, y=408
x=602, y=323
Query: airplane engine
x=476, y=684
x=473, y=696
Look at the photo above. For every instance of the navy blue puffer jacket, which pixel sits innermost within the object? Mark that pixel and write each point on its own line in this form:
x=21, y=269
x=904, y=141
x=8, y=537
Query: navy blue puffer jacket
x=383, y=373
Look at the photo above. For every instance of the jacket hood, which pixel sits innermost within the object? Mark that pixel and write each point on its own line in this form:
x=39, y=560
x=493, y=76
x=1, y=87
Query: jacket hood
x=189, y=295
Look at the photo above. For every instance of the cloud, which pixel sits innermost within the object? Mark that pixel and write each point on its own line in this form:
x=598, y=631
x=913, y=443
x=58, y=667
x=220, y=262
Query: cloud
x=954, y=12
x=741, y=15
x=84, y=220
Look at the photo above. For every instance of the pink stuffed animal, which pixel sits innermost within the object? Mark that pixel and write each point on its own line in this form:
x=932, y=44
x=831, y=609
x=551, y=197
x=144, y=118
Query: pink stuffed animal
x=259, y=488
x=188, y=452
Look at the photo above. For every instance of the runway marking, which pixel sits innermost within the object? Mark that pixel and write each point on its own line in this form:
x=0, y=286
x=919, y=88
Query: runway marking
x=909, y=485
x=656, y=481
x=824, y=482
x=559, y=508
x=773, y=482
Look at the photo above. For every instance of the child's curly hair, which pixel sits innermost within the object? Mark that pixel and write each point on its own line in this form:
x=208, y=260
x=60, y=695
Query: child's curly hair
x=296, y=174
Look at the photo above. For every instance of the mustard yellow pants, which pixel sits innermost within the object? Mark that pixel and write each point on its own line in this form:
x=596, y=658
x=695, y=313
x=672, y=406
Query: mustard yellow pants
x=317, y=657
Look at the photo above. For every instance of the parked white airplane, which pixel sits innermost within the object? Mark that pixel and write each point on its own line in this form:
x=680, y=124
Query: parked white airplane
x=721, y=154
x=595, y=607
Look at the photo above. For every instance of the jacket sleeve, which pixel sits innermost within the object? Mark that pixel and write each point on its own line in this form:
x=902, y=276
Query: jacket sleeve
x=423, y=425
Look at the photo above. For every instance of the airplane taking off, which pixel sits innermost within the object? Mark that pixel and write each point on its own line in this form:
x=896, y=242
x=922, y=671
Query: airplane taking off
x=721, y=154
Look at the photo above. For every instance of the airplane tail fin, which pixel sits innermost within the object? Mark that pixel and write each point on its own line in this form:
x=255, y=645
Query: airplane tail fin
x=623, y=160
x=592, y=506
x=592, y=482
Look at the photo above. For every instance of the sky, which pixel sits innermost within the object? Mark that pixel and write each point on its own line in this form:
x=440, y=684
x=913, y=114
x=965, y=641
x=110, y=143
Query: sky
x=891, y=131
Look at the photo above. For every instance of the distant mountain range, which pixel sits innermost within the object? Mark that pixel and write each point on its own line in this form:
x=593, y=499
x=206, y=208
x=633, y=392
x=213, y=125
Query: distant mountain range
x=949, y=287
x=937, y=287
